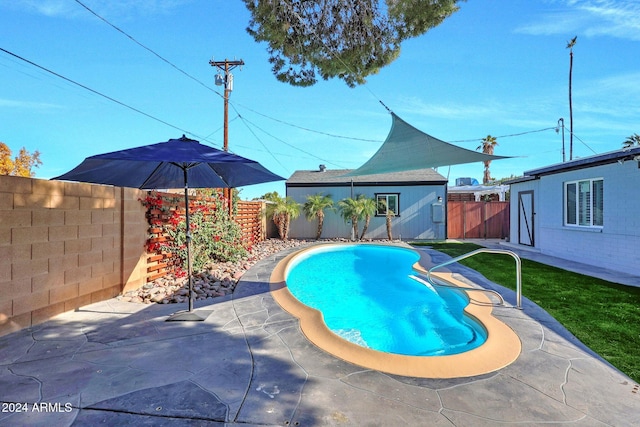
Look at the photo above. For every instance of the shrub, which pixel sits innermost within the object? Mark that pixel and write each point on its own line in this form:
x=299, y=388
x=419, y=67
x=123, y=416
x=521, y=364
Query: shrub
x=214, y=235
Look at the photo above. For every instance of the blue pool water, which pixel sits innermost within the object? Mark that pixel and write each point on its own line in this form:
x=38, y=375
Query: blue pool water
x=366, y=297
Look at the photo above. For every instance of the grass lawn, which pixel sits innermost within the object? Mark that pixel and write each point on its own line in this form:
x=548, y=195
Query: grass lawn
x=605, y=316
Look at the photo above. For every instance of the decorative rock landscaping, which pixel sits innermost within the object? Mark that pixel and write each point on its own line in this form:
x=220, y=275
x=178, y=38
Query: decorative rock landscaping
x=217, y=280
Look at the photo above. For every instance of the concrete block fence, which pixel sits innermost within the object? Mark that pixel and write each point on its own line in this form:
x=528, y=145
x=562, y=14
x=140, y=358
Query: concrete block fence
x=64, y=245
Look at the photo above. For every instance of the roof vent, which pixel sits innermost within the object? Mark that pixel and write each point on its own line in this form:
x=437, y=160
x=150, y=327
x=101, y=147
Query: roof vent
x=323, y=168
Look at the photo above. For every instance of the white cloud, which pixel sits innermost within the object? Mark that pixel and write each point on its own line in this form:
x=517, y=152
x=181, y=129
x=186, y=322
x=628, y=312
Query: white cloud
x=619, y=19
x=10, y=103
x=450, y=111
x=612, y=97
x=528, y=114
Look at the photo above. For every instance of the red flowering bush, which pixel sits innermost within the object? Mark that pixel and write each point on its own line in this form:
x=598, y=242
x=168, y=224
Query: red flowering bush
x=214, y=235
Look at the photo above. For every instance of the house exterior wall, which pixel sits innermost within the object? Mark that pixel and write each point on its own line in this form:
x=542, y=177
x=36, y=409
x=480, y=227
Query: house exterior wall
x=615, y=245
x=414, y=222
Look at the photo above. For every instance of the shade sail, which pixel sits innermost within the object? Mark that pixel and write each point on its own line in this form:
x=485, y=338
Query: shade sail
x=408, y=148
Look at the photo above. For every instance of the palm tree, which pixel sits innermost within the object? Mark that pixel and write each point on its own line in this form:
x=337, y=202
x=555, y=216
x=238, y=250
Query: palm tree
x=350, y=210
x=368, y=208
x=631, y=141
x=314, y=209
x=488, y=145
x=388, y=216
x=282, y=211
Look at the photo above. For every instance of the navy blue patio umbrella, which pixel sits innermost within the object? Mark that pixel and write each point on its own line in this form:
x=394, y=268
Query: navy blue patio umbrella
x=176, y=163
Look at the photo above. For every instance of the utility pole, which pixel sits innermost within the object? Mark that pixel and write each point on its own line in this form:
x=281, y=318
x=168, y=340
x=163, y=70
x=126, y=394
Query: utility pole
x=561, y=125
x=570, y=46
x=226, y=80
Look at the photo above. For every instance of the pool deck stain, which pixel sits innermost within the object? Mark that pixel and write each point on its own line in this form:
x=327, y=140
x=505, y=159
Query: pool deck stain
x=500, y=349
x=248, y=363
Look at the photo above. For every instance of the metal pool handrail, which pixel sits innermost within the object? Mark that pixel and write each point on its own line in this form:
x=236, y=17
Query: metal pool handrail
x=432, y=283
x=491, y=251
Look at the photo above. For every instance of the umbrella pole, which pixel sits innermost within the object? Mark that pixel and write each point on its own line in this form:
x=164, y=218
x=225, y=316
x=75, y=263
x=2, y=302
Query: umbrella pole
x=189, y=315
x=188, y=237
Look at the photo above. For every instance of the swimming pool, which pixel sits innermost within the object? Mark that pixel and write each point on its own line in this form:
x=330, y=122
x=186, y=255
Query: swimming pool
x=500, y=348
x=367, y=297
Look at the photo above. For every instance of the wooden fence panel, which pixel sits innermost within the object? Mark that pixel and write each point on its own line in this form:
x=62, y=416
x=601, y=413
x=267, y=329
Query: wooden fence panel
x=473, y=220
x=477, y=220
x=455, y=220
x=496, y=219
x=251, y=220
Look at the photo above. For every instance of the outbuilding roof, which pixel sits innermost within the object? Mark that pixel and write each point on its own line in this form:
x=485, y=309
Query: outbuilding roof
x=339, y=178
x=623, y=155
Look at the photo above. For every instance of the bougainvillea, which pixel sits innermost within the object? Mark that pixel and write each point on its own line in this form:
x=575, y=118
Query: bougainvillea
x=214, y=234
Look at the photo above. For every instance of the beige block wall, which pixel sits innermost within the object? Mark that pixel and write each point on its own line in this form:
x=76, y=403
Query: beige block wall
x=64, y=245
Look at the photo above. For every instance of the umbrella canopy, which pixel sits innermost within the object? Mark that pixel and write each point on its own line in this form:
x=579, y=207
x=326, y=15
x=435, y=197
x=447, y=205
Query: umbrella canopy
x=164, y=165
x=176, y=163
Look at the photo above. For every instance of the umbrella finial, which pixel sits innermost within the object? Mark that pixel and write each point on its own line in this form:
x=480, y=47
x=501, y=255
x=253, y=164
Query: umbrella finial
x=185, y=139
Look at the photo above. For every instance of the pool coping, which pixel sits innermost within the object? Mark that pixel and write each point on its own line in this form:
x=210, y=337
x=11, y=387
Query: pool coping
x=501, y=348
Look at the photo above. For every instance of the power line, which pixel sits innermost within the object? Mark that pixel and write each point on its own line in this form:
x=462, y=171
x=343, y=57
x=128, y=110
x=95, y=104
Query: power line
x=97, y=92
x=148, y=49
x=244, y=120
x=584, y=143
x=307, y=129
x=312, y=31
x=507, y=136
x=233, y=106
x=217, y=93
x=286, y=143
x=263, y=145
x=204, y=84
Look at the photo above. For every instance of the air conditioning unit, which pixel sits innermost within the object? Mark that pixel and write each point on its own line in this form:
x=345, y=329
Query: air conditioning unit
x=466, y=181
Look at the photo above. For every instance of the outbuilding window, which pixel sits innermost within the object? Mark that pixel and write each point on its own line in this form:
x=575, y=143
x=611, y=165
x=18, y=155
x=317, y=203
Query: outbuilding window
x=584, y=203
x=388, y=202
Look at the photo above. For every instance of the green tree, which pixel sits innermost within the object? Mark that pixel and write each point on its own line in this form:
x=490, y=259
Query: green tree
x=348, y=39
x=272, y=196
x=351, y=210
x=488, y=145
x=21, y=165
x=282, y=210
x=631, y=141
x=314, y=208
x=368, y=208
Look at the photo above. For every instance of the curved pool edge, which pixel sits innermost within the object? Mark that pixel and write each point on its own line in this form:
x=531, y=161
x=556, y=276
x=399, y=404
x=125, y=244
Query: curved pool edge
x=501, y=348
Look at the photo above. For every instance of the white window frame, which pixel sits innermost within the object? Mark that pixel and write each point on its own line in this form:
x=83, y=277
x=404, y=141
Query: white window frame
x=587, y=210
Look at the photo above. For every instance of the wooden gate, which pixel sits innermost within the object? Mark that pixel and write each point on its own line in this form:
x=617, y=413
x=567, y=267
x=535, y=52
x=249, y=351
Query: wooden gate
x=477, y=220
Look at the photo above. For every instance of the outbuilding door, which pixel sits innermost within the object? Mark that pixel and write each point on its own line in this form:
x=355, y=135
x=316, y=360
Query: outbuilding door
x=525, y=218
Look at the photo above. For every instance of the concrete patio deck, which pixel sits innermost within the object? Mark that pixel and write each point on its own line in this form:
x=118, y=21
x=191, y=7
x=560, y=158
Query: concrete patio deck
x=119, y=363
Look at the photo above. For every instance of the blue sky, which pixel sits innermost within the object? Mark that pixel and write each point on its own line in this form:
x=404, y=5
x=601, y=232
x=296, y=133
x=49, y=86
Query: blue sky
x=498, y=68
